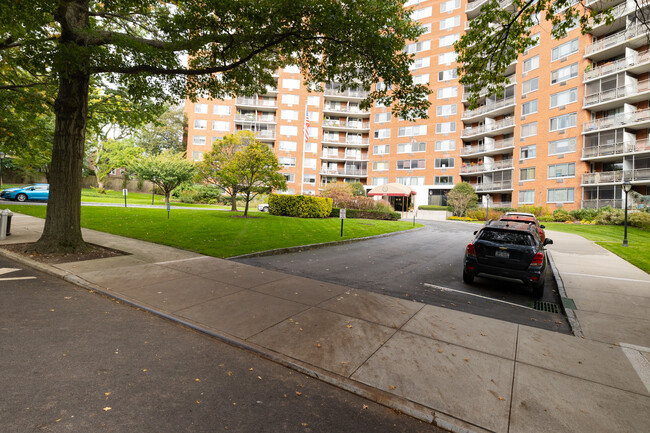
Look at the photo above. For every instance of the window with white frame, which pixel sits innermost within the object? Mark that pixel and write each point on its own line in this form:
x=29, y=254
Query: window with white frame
x=565, y=145
x=313, y=101
x=288, y=146
x=527, y=196
x=426, y=28
x=411, y=164
x=445, y=145
x=380, y=165
x=449, y=23
x=382, y=133
x=448, y=40
x=292, y=69
x=310, y=147
x=418, y=14
x=527, y=174
x=289, y=177
x=379, y=181
x=444, y=163
x=309, y=178
x=382, y=117
x=411, y=147
x=411, y=131
x=528, y=152
x=565, y=49
x=446, y=110
x=528, y=130
x=529, y=86
x=449, y=6
x=201, y=108
x=447, y=75
x=529, y=107
x=447, y=92
x=198, y=140
x=289, y=114
x=561, y=195
x=417, y=47
x=445, y=127
x=534, y=38
x=410, y=180
x=562, y=122
x=531, y=64
x=565, y=73
x=200, y=124
x=197, y=156
x=443, y=180
x=220, y=125
x=310, y=163
x=423, y=62
x=381, y=149
x=290, y=99
x=313, y=132
x=564, y=98
x=421, y=79
x=290, y=83
x=221, y=110
x=567, y=169
x=288, y=130
x=313, y=116
x=447, y=58
x=287, y=161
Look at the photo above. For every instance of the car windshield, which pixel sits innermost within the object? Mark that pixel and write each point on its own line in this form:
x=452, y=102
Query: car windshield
x=507, y=237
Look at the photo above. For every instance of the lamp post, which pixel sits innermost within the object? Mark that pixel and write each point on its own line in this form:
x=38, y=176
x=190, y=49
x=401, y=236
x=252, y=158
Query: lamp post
x=2, y=160
x=487, y=208
x=153, y=189
x=627, y=186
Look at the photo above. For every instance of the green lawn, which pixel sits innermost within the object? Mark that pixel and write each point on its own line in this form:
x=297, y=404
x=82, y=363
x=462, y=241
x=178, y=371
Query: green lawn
x=221, y=234
x=611, y=237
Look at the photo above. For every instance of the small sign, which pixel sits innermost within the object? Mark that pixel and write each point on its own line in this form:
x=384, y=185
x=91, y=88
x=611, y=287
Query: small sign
x=342, y=214
x=125, y=192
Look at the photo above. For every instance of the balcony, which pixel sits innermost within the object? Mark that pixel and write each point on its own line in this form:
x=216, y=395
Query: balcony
x=252, y=118
x=496, y=128
x=349, y=142
x=483, y=93
x=331, y=108
x=619, y=13
x=606, y=151
x=344, y=172
x=483, y=168
x=504, y=185
x=611, y=98
x=634, y=120
x=494, y=108
x=637, y=64
x=257, y=102
x=598, y=203
x=607, y=47
x=640, y=175
x=473, y=8
x=498, y=147
x=343, y=125
x=348, y=94
x=336, y=156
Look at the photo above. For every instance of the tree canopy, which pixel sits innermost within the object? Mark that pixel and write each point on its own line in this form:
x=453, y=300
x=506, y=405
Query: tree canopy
x=461, y=198
x=166, y=171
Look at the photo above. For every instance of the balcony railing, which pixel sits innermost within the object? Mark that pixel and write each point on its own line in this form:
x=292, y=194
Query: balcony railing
x=474, y=4
x=615, y=39
x=617, y=93
x=619, y=148
x=355, y=142
x=344, y=156
x=488, y=107
x=499, y=144
x=619, y=176
x=495, y=186
x=618, y=120
x=345, y=172
x=598, y=203
x=253, y=118
x=481, y=168
x=501, y=204
x=504, y=123
x=348, y=93
x=339, y=109
x=344, y=124
x=260, y=102
x=618, y=65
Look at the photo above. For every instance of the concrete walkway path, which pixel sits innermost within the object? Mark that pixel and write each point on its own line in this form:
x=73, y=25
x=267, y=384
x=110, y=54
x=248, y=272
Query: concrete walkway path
x=459, y=371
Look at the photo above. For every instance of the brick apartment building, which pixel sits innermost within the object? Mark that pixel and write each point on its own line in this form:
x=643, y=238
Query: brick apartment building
x=571, y=127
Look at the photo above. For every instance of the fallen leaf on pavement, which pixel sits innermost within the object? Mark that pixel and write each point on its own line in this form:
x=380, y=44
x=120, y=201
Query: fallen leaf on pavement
x=106, y=409
x=365, y=406
x=230, y=373
x=298, y=393
x=391, y=387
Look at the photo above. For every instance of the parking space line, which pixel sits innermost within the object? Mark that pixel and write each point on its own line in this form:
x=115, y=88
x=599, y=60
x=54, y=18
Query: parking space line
x=17, y=278
x=445, y=289
x=638, y=361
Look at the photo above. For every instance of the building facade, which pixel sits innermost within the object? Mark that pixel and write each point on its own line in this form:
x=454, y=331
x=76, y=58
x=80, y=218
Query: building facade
x=571, y=127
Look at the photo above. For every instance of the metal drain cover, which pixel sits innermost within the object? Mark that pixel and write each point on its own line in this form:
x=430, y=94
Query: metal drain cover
x=548, y=307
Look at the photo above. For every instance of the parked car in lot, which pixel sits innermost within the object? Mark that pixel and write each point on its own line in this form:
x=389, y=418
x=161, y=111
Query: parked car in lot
x=508, y=250
x=525, y=218
x=39, y=191
x=264, y=207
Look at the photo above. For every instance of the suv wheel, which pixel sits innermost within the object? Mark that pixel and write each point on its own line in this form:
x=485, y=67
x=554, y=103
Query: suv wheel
x=21, y=197
x=467, y=277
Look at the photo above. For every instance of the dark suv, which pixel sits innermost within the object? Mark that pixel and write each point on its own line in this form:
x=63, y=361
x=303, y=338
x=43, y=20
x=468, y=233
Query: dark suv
x=508, y=250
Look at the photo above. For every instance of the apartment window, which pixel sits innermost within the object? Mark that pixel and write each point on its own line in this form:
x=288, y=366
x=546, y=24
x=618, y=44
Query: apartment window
x=289, y=177
x=566, y=145
x=445, y=127
x=290, y=99
x=411, y=131
x=379, y=181
x=447, y=92
x=449, y=6
x=310, y=147
x=560, y=195
x=290, y=83
x=380, y=86
x=451, y=22
x=529, y=107
x=446, y=110
x=423, y=62
x=292, y=69
x=527, y=174
x=534, y=38
x=564, y=74
x=201, y=108
x=313, y=132
x=449, y=74
x=310, y=163
x=443, y=180
x=221, y=110
x=197, y=156
x=287, y=161
x=313, y=116
x=447, y=58
x=382, y=117
x=220, y=125
x=563, y=122
x=411, y=147
x=527, y=196
x=411, y=164
x=528, y=130
x=381, y=149
x=531, y=64
x=289, y=114
x=445, y=145
x=567, y=169
x=309, y=178
x=417, y=47
x=418, y=14
x=421, y=79
x=313, y=100
x=528, y=152
x=565, y=49
x=382, y=133
x=426, y=28
x=530, y=86
x=564, y=98
x=448, y=40
x=410, y=180
x=200, y=124
x=198, y=140
x=380, y=166
x=288, y=130
x=288, y=146
x=444, y=163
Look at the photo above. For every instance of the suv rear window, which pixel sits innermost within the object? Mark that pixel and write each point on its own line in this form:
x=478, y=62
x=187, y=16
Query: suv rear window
x=507, y=237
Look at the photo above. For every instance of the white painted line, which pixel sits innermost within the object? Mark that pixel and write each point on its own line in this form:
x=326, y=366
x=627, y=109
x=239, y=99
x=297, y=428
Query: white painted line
x=8, y=270
x=17, y=278
x=632, y=346
x=604, y=276
x=640, y=365
x=179, y=260
x=444, y=289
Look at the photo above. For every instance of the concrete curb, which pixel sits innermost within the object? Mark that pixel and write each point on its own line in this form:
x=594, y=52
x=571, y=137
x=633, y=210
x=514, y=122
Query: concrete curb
x=401, y=404
x=570, y=314
x=309, y=247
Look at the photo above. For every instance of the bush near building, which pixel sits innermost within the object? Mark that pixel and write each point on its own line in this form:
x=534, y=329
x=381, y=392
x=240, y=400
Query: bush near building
x=302, y=206
x=370, y=214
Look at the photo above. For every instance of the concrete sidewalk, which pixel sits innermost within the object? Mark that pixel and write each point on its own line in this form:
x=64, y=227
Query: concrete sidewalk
x=459, y=371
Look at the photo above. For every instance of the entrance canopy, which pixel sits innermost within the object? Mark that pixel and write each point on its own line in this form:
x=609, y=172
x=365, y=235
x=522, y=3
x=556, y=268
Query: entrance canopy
x=391, y=190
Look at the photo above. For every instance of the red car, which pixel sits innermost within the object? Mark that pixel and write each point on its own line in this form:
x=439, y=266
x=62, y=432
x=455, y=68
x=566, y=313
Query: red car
x=526, y=219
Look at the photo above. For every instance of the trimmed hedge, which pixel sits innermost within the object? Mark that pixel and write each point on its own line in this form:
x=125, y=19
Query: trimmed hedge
x=368, y=214
x=433, y=207
x=301, y=206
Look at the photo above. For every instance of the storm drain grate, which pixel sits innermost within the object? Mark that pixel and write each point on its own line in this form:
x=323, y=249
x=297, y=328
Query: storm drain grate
x=548, y=307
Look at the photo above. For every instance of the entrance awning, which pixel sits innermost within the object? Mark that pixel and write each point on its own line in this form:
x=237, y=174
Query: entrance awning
x=391, y=190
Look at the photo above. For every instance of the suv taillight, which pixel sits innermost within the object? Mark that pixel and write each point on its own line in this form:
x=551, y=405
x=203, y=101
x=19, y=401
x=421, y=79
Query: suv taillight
x=471, y=251
x=538, y=260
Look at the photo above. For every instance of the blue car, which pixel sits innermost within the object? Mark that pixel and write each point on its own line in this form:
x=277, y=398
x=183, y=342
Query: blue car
x=38, y=191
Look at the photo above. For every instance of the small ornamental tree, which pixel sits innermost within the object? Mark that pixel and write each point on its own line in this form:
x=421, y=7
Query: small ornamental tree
x=166, y=171
x=339, y=192
x=461, y=198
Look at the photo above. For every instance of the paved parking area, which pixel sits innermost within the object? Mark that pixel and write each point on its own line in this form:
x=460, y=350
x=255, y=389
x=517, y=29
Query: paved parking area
x=425, y=266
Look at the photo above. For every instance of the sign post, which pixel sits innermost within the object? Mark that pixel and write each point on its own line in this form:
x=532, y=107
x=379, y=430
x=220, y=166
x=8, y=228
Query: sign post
x=169, y=207
x=125, y=192
x=342, y=216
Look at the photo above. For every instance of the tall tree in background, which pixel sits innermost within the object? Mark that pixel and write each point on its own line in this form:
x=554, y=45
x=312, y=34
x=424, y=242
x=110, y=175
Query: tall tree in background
x=165, y=133
x=234, y=47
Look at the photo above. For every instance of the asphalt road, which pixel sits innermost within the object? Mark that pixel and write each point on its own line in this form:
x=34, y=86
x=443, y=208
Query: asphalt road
x=423, y=265
x=75, y=361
